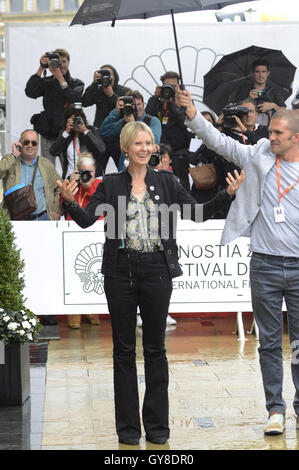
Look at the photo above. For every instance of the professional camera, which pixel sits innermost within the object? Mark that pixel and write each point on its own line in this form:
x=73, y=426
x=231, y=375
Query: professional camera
x=105, y=80
x=129, y=106
x=84, y=176
x=155, y=159
x=77, y=112
x=167, y=92
x=53, y=60
x=231, y=110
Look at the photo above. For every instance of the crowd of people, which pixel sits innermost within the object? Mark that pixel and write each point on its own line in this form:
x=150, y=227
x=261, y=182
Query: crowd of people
x=151, y=146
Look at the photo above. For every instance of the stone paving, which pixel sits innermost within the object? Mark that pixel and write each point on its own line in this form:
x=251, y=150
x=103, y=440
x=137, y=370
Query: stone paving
x=215, y=390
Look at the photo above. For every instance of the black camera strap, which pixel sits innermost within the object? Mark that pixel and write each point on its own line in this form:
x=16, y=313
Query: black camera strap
x=34, y=173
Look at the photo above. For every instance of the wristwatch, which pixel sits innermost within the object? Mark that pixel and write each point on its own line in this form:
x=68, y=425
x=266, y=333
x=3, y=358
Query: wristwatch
x=69, y=205
x=63, y=84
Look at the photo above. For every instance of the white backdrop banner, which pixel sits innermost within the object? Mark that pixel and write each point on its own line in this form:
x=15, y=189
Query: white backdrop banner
x=63, y=268
x=141, y=52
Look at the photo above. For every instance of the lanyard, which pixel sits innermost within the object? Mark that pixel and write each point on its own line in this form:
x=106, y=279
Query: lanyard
x=165, y=108
x=81, y=197
x=75, y=145
x=280, y=195
x=244, y=140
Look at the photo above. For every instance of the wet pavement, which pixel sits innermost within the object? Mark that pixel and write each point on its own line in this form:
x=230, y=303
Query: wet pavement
x=215, y=389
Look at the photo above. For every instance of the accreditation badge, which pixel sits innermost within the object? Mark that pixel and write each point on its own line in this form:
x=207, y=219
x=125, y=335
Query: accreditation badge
x=279, y=215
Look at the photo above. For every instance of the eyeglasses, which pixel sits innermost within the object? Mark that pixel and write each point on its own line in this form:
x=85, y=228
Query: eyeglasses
x=32, y=142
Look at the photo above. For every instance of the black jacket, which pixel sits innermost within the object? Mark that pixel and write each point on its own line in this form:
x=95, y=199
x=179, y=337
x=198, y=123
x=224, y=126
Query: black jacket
x=50, y=122
x=90, y=142
x=164, y=189
x=252, y=136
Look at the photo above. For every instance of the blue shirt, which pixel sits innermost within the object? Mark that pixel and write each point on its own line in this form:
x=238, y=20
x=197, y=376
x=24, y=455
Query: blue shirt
x=113, y=124
x=38, y=185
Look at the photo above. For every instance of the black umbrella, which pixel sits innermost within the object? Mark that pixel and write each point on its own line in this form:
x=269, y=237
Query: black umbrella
x=98, y=11
x=234, y=70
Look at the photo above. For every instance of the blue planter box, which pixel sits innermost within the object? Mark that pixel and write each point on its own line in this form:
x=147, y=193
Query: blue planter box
x=15, y=375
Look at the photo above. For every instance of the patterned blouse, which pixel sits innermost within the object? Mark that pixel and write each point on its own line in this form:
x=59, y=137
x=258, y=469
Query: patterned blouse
x=142, y=225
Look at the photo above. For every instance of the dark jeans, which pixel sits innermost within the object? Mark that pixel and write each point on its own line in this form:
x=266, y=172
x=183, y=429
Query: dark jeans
x=141, y=280
x=274, y=278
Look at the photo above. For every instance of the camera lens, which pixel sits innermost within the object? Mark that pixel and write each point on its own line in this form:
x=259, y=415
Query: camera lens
x=54, y=63
x=155, y=159
x=77, y=121
x=167, y=92
x=85, y=176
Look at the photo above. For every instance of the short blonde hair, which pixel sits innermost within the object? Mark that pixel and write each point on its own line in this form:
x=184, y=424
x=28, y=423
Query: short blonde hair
x=129, y=132
x=86, y=158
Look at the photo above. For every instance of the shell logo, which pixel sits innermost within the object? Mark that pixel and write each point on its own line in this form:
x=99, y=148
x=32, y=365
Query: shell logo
x=88, y=265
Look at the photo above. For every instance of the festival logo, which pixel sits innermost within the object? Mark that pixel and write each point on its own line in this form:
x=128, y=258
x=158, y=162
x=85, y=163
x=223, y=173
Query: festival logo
x=88, y=267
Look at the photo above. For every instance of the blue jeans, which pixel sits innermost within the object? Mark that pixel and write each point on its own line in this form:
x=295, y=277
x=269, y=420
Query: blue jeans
x=274, y=278
x=142, y=279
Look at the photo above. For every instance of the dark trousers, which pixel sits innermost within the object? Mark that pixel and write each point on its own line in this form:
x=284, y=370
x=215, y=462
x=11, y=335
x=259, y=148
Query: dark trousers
x=142, y=279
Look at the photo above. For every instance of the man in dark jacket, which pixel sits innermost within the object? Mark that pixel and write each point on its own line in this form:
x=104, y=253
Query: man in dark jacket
x=174, y=131
x=269, y=99
x=104, y=93
x=57, y=90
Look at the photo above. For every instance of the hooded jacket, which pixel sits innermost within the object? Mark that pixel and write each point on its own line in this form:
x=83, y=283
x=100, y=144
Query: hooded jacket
x=104, y=104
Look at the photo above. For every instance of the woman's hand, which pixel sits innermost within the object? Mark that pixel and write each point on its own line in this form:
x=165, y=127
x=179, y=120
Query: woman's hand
x=234, y=183
x=67, y=190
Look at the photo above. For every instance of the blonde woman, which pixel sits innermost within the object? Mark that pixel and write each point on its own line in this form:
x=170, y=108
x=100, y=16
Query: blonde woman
x=139, y=261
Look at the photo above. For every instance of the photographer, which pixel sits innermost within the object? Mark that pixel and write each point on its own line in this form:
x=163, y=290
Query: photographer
x=165, y=158
x=76, y=138
x=174, y=131
x=84, y=175
x=104, y=92
x=57, y=91
x=268, y=99
x=129, y=108
x=240, y=122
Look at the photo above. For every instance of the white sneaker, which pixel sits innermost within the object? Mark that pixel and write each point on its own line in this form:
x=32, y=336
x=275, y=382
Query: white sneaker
x=139, y=320
x=275, y=424
x=170, y=320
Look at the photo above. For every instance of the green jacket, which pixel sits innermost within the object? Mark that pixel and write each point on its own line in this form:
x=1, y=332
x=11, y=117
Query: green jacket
x=10, y=173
